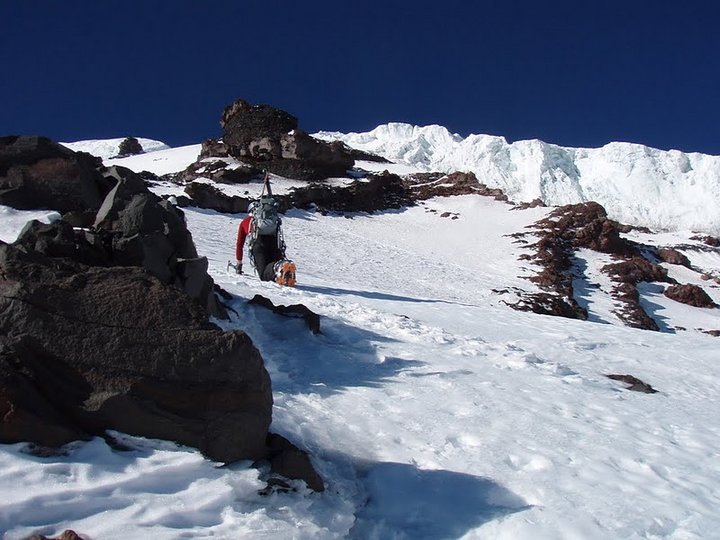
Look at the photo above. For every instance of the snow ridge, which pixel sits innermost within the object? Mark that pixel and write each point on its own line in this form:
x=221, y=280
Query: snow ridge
x=637, y=185
x=108, y=148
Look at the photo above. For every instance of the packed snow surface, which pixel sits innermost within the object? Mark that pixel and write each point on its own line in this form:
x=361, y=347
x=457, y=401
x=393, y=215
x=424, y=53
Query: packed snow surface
x=108, y=148
x=637, y=185
x=431, y=409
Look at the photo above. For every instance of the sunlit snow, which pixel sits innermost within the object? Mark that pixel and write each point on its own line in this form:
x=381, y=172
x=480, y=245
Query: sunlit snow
x=636, y=184
x=430, y=408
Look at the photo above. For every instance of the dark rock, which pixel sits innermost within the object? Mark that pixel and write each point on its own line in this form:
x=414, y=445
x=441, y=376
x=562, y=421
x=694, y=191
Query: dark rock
x=130, y=146
x=38, y=173
x=636, y=385
x=377, y=192
x=626, y=274
x=532, y=204
x=59, y=239
x=312, y=319
x=288, y=461
x=673, y=256
x=587, y=225
x=213, y=148
x=636, y=269
x=208, y=196
x=218, y=171
x=269, y=138
x=709, y=240
x=428, y=185
x=691, y=295
x=254, y=130
x=360, y=155
x=84, y=349
x=550, y=304
x=68, y=534
x=630, y=311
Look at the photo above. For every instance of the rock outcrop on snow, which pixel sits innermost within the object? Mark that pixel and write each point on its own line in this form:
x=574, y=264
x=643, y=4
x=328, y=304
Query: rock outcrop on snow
x=205, y=195
x=38, y=173
x=88, y=348
x=586, y=225
x=104, y=317
x=113, y=210
x=129, y=146
x=269, y=138
x=626, y=275
x=566, y=229
x=689, y=294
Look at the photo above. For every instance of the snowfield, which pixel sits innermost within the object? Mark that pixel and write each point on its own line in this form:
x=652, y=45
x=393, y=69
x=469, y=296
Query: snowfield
x=431, y=409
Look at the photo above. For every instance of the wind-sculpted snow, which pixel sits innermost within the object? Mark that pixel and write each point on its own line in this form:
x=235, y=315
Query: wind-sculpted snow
x=662, y=190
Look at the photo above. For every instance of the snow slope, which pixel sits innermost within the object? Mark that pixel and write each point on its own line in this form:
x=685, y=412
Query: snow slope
x=637, y=185
x=431, y=409
x=107, y=148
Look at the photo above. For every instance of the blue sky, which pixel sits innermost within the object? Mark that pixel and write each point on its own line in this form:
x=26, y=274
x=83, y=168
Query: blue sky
x=579, y=73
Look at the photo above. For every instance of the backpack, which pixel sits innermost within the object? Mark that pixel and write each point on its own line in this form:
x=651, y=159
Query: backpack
x=265, y=220
x=265, y=216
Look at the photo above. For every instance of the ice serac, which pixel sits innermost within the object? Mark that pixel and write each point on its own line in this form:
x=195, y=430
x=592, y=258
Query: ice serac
x=638, y=185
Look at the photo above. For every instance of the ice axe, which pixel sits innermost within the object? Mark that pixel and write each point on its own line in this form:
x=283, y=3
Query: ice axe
x=237, y=267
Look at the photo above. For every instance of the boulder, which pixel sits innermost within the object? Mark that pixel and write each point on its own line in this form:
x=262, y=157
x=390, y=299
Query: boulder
x=288, y=461
x=423, y=186
x=207, y=196
x=130, y=146
x=218, y=171
x=587, y=225
x=36, y=172
x=254, y=131
x=635, y=384
x=673, y=256
x=269, y=138
x=691, y=295
x=213, y=148
x=85, y=349
x=377, y=192
x=636, y=269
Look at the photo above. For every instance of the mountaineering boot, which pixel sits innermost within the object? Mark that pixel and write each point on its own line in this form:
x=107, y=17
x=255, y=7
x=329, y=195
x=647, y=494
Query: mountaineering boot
x=285, y=273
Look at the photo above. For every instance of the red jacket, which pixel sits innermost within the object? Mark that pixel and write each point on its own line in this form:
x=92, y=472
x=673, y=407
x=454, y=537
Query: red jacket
x=243, y=232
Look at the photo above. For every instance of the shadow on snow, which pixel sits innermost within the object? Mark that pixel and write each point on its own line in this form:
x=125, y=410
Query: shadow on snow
x=406, y=502
x=342, y=356
x=374, y=295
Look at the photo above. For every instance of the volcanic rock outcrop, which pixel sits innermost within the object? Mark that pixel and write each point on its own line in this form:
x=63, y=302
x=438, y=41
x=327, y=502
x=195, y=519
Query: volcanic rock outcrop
x=269, y=138
x=85, y=349
x=691, y=295
x=104, y=317
x=566, y=229
x=38, y=173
